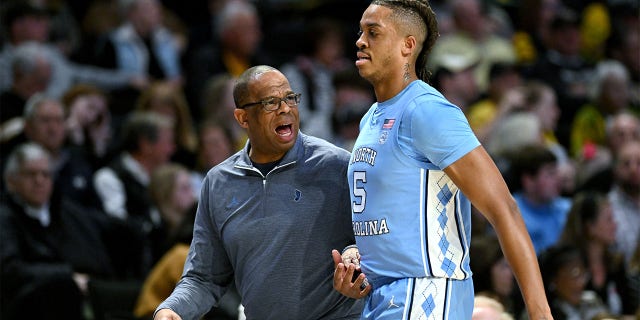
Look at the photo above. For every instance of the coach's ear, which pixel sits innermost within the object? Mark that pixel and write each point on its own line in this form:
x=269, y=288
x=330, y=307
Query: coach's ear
x=241, y=116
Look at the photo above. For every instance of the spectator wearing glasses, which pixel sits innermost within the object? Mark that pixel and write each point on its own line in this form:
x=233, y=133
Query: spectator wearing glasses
x=49, y=246
x=268, y=215
x=565, y=279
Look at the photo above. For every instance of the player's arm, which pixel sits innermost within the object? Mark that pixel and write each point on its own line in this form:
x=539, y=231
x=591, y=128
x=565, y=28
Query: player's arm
x=480, y=180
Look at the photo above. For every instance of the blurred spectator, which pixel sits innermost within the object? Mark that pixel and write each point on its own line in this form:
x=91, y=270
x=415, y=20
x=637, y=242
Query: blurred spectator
x=31, y=74
x=202, y=33
x=624, y=45
x=44, y=124
x=453, y=69
x=354, y=95
x=166, y=99
x=239, y=33
x=473, y=31
x=590, y=228
x=142, y=44
x=562, y=67
x=493, y=276
x=487, y=308
x=218, y=105
x=501, y=98
x=632, y=299
x=595, y=28
x=64, y=31
x=538, y=196
x=172, y=195
x=215, y=145
x=609, y=95
x=88, y=124
x=516, y=130
x=565, y=278
x=596, y=163
x=625, y=198
x=533, y=24
x=28, y=25
x=311, y=74
x=50, y=248
x=123, y=188
x=540, y=99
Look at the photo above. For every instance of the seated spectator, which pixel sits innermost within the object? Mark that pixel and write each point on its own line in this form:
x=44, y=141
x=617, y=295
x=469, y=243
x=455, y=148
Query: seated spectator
x=487, y=308
x=215, y=146
x=89, y=126
x=166, y=99
x=591, y=228
x=49, y=247
x=354, y=96
x=493, y=276
x=311, y=74
x=595, y=164
x=503, y=96
x=562, y=67
x=453, y=73
x=609, y=96
x=123, y=188
x=172, y=195
x=625, y=199
x=218, y=105
x=44, y=124
x=142, y=44
x=565, y=278
x=515, y=131
x=28, y=25
x=31, y=73
x=473, y=31
x=541, y=100
x=631, y=301
x=238, y=31
x=537, y=193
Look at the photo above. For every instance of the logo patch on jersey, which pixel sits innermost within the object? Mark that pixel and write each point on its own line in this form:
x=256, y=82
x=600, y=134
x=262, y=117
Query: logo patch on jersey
x=383, y=137
x=297, y=195
x=388, y=123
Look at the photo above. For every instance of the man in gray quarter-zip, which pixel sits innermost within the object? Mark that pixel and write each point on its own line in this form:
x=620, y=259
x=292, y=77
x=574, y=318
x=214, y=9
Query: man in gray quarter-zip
x=269, y=216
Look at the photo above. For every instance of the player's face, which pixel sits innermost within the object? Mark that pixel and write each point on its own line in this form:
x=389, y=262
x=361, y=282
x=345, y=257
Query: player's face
x=379, y=44
x=272, y=133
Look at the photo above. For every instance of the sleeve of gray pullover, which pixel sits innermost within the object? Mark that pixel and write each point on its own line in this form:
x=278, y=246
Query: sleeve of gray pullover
x=207, y=271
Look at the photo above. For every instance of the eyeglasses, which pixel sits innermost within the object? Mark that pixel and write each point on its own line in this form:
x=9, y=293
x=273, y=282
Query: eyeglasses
x=273, y=103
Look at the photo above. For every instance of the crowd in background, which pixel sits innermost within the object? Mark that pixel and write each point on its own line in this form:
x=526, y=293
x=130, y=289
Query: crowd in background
x=112, y=112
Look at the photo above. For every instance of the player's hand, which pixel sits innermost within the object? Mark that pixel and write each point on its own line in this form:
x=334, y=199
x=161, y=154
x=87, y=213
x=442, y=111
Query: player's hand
x=344, y=281
x=166, y=314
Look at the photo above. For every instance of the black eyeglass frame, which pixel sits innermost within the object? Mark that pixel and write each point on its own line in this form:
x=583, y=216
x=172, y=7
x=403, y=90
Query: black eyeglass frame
x=276, y=101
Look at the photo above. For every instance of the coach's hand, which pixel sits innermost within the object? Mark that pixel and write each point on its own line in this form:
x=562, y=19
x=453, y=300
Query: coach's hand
x=166, y=314
x=343, y=278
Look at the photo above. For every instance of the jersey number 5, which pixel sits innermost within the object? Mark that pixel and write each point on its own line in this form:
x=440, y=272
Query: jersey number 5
x=359, y=193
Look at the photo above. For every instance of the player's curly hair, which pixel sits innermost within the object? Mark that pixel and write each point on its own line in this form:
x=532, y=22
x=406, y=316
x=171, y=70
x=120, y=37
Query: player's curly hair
x=408, y=9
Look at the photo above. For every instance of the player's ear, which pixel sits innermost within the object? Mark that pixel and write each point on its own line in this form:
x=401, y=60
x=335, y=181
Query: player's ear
x=409, y=45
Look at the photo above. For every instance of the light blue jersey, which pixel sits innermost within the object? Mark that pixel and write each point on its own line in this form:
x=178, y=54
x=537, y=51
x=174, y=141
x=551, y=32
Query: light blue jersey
x=410, y=220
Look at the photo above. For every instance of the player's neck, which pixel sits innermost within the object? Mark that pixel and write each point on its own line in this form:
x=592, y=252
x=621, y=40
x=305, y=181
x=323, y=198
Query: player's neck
x=386, y=90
